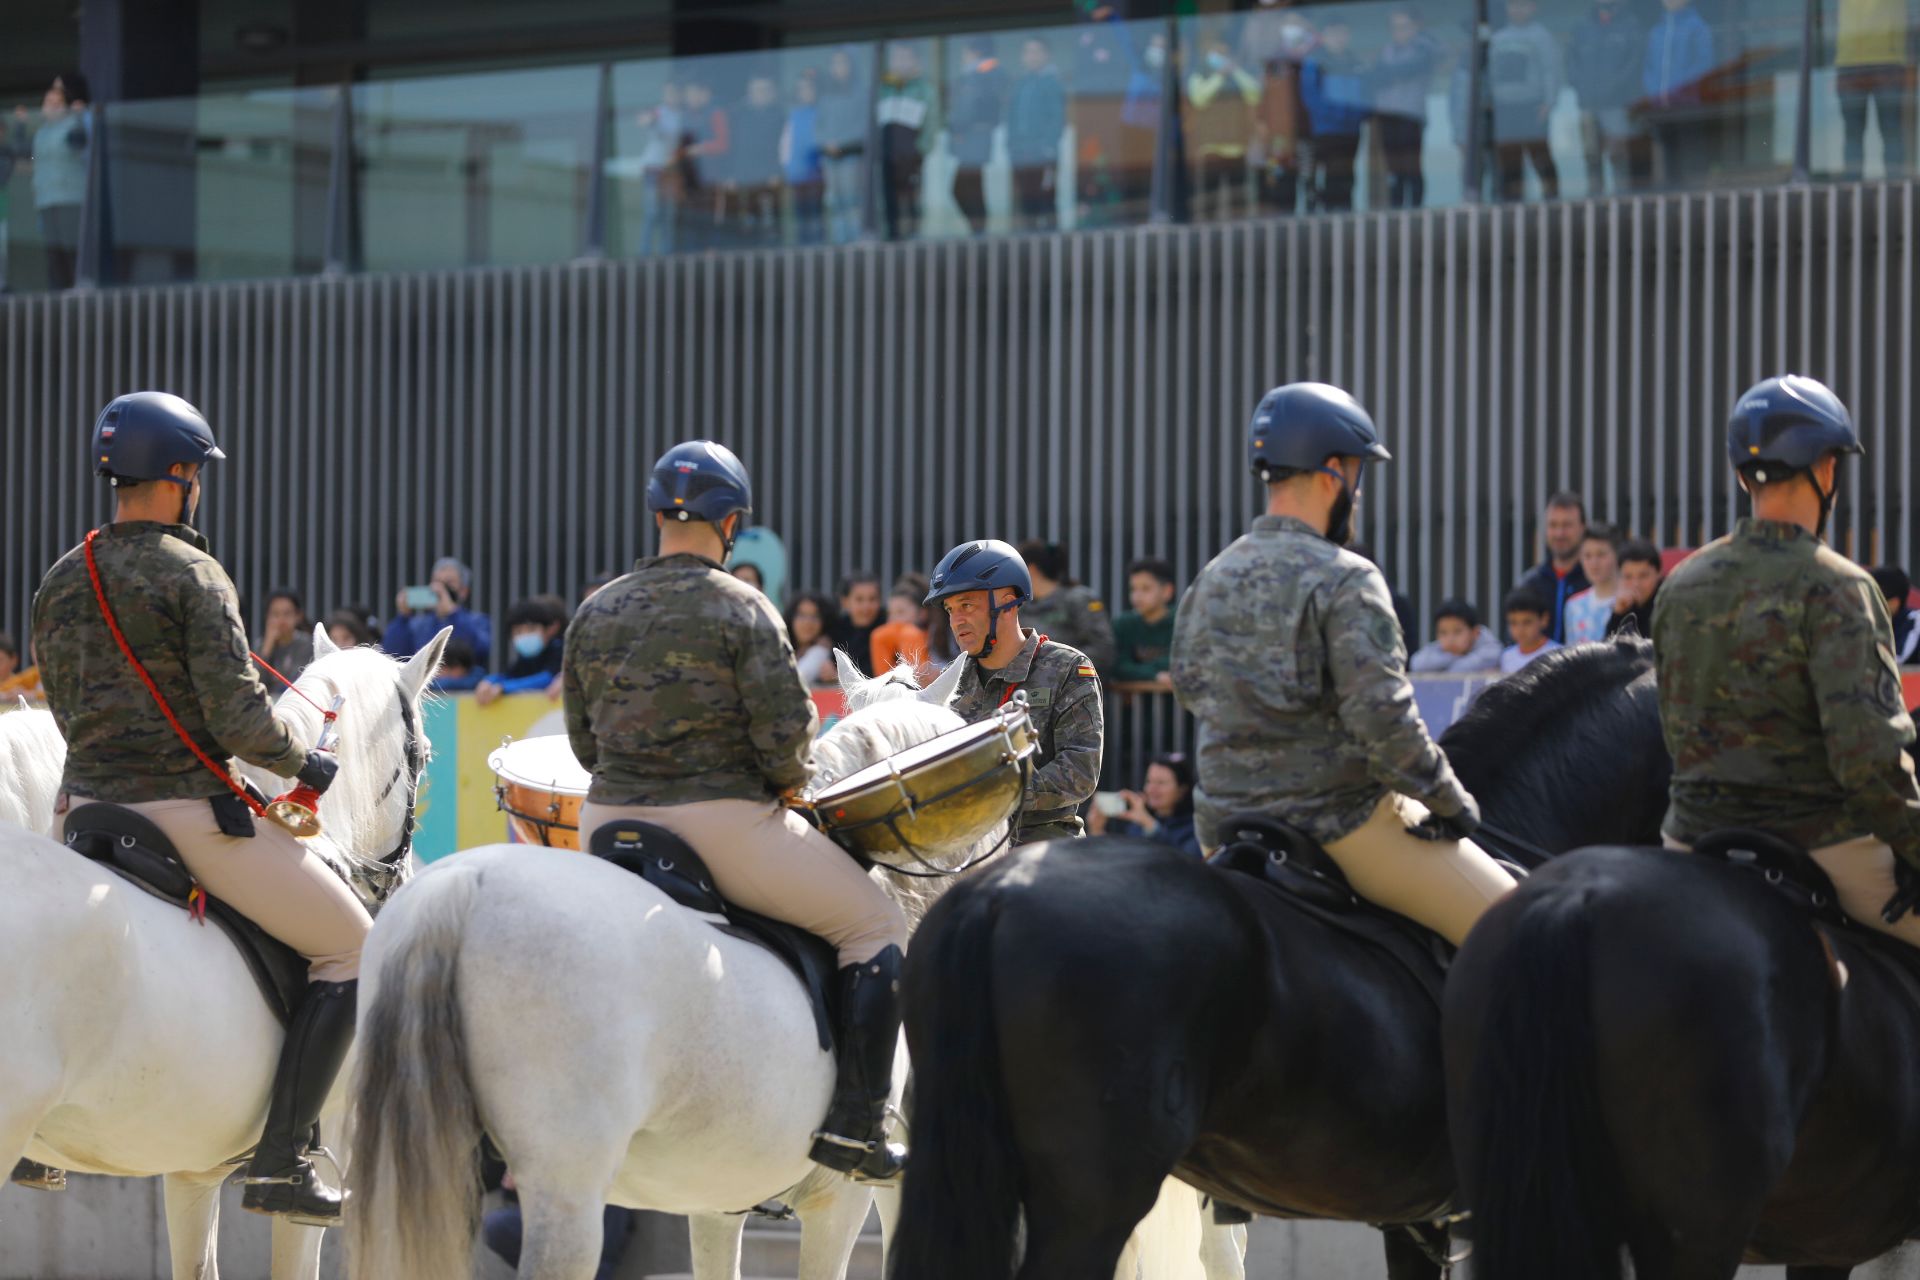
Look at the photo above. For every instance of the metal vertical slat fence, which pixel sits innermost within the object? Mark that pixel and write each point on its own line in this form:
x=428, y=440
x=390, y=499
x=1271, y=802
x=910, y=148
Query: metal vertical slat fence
x=894, y=399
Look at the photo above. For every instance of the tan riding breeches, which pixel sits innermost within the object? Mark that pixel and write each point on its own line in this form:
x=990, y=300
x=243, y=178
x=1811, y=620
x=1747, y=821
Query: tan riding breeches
x=1442, y=884
x=1862, y=874
x=271, y=879
x=770, y=860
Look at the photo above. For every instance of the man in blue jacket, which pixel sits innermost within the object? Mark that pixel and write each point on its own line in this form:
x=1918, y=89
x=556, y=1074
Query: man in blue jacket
x=412, y=628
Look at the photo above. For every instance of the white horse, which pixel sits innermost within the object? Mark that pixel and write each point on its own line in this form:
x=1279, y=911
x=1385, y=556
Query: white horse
x=614, y=1045
x=134, y=1041
x=32, y=754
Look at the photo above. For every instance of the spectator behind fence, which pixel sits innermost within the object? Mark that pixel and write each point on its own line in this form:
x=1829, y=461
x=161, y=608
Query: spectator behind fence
x=460, y=669
x=753, y=176
x=1336, y=101
x=1460, y=645
x=852, y=629
x=1161, y=811
x=801, y=164
x=661, y=132
x=286, y=642
x=1274, y=41
x=1524, y=77
x=977, y=107
x=1639, y=583
x=1528, y=614
x=1589, y=611
x=1898, y=589
x=13, y=146
x=1402, y=79
x=1035, y=122
x=1143, y=635
x=59, y=151
x=536, y=628
x=843, y=145
x=1559, y=577
x=348, y=628
x=1679, y=56
x=705, y=160
x=1872, y=68
x=1222, y=97
x=1607, y=46
x=418, y=619
x=749, y=573
x=810, y=624
x=901, y=638
x=17, y=679
x=908, y=126
x=1063, y=609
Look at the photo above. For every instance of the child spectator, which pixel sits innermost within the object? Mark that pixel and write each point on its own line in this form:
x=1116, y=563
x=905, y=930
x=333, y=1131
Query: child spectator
x=1337, y=105
x=1221, y=98
x=460, y=669
x=978, y=106
x=537, y=631
x=1524, y=75
x=1460, y=644
x=1606, y=78
x=16, y=679
x=810, y=624
x=1528, y=616
x=749, y=573
x=1035, y=122
x=801, y=163
x=1161, y=811
x=1143, y=635
x=287, y=642
x=859, y=613
x=1589, y=611
x=348, y=628
x=901, y=638
x=1402, y=79
x=1639, y=583
x=1898, y=589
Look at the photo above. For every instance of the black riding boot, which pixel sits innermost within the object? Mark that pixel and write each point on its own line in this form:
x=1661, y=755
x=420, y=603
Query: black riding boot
x=31, y=1173
x=853, y=1137
x=281, y=1180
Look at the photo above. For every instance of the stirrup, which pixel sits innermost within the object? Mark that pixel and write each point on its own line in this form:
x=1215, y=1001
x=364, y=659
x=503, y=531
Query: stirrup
x=38, y=1177
x=876, y=1161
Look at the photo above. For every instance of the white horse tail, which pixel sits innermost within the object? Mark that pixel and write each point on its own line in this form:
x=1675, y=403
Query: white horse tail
x=1169, y=1238
x=415, y=1138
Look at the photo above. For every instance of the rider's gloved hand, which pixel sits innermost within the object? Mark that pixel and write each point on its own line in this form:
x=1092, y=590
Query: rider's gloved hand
x=318, y=771
x=1454, y=826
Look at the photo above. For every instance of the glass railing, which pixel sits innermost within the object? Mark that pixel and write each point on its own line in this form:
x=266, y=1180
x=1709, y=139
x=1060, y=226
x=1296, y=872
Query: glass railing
x=1287, y=109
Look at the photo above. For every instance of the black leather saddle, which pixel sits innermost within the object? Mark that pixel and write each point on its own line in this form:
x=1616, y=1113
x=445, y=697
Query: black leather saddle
x=132, y=847
x=670, y=865
x=1310, y=882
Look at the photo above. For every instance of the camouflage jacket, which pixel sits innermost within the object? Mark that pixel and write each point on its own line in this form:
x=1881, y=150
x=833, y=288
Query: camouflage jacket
x=681, y=686
x=1068, y=719
x=1779, y=695
x=1075, y=616
x=181, y=616
x=1287, y=650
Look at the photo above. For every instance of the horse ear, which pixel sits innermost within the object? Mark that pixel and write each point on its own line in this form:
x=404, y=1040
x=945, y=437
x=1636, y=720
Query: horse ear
x=421, y=666
x=323, y=645
x=851, y=677
x=940, y=692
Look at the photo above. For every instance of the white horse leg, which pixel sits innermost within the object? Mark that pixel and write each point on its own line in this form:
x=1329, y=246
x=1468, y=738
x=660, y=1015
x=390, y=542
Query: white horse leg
x=296, y=1250
x=193, y=1223
x=715, y=1238
x=560, y=1233
x=1223, y=1250
x=829, y=1225
x=886, y=1202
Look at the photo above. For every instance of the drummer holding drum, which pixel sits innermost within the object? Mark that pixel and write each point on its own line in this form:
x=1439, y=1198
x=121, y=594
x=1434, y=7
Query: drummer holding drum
x=683, y=700
x=982, y=585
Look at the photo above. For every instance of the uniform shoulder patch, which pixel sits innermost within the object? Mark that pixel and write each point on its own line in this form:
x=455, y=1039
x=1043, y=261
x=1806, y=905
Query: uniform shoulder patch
x=1086, y=669
x=1096, y=606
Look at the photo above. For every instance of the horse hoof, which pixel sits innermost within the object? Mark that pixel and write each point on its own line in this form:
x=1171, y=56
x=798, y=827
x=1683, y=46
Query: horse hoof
x=39, y=1177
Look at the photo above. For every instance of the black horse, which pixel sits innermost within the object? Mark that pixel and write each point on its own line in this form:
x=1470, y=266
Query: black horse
x=1088, y=1017
x=1656, y=1051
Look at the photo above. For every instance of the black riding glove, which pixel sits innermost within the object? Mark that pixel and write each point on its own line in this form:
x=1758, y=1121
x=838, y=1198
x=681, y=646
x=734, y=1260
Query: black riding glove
x=1907, y=896
x=1456, y=826
x=318, y=771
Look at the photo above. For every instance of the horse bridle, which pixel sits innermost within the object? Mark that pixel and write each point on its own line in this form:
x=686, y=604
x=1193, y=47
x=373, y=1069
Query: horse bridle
x=392, y=867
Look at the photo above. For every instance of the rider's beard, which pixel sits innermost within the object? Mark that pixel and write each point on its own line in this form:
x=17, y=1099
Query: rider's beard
x=1340, y=519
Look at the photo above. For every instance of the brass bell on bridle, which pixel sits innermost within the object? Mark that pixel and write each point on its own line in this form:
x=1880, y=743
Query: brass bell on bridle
x=298, y=810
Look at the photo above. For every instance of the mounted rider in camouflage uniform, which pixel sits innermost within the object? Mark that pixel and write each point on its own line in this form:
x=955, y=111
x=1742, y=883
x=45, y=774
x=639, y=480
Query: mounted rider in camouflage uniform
x=1779, y=694
x=983, y=586
x=683, y=699
x=1287, y=650
x=180, y=616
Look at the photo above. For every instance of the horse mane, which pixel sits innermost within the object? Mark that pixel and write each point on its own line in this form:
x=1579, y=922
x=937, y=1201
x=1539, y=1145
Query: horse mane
x=32, y=755
x=1521, y=706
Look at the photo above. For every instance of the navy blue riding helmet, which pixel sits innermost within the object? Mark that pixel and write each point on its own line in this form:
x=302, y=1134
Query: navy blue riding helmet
x=1788, y=423
x=700, y=480
x=141, y=435
x=986, y=564
x=1297, y=427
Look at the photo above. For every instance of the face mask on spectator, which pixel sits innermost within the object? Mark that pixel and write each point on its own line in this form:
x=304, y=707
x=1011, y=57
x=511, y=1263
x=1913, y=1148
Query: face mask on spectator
x=529, y=644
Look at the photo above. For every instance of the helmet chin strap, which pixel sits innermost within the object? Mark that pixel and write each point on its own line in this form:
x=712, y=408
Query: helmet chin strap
x=1826, y=500
x=993, y=625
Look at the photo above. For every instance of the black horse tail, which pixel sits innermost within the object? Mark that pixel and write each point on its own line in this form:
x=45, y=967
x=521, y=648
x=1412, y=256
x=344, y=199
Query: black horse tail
x=1536, y=1159
x=960, y=1206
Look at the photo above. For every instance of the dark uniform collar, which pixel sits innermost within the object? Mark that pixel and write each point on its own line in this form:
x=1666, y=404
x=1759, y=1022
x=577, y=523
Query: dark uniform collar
x=1771, y=531
x=648, y=562
x=1285, y=524
x=141, y=528
x=1017, y=671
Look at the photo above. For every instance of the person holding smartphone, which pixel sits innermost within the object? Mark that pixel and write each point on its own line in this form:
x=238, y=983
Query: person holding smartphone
x=1161, y=811
x=420, y=612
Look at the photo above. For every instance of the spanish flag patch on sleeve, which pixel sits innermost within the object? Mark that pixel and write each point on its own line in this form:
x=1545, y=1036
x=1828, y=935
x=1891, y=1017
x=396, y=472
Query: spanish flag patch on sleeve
x=1086, y=669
